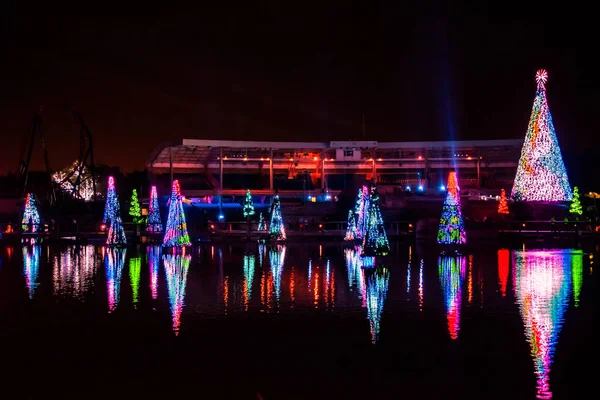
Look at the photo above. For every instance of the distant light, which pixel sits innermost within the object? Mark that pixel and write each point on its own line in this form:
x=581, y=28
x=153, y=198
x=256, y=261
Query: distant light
x=442, y=188
x=408, y=188
x=316, y=158
x=309, y=197
x=379, y=159
x=469, y=158
x=221, y=217
x=245, y=158
x=291, y=159
x=420, y=157
x=421, y=188
x=328, y=197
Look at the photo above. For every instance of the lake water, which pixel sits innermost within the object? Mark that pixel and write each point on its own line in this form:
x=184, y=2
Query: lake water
x=302, y=321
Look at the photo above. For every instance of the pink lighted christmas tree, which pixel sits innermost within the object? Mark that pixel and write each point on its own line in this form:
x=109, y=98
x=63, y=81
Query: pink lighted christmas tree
x=176, y=233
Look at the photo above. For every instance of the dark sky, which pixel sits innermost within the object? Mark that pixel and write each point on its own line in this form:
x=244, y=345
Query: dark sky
x=275, y=70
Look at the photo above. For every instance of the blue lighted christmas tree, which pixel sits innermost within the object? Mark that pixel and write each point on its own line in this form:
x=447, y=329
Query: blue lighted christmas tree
x=248, y=206
x=31, y=216
x=111, y=198
x=541, y=174
x=452, y=228
x=262, y=225
x=176, y=233
x=351, y=230
x=154, y=221
x=375, y=241
x=276, y=228
x=362, y=211
x=116, y=233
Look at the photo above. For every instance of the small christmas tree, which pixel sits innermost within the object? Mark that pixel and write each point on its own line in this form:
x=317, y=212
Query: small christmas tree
x=452, y=229
x=276, y=228
x=176, y=233
x=262, y=225
x=111, y=195
x=541, y=174
x=375, y=241
x=154, y=220
x=351, y=230
x=248, y=206
x=116, y=233
x=31, y=216
x=503, y=205
x=135, y=211
x=575, y=203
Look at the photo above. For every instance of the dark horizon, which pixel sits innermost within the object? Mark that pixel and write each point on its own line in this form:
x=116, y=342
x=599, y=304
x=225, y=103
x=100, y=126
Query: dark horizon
x=269, y=72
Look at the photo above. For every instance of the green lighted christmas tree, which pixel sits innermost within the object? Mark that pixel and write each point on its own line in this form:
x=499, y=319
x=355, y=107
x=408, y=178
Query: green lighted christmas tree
x=248, y=206
x=134, y=208
x=575, y=203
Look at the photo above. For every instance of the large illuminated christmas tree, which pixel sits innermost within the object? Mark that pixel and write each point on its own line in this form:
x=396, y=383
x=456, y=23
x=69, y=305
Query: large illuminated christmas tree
x=116, y=232
x=31, y=215
x=375, y=241
x=111, y=198
x=351, y=230
x=541, y=174
x=176, y=233
x=135, y=210
x=276, y=228
x=362, y=211
x=576, y=203
x=154, y=220
x=452, y=228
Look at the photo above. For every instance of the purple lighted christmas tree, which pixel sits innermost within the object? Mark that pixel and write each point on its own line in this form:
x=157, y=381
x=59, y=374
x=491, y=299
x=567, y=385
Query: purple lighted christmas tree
x=154, y=221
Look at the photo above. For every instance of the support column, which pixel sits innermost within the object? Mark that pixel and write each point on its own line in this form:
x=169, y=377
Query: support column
x=171, y=164
x=271, y=170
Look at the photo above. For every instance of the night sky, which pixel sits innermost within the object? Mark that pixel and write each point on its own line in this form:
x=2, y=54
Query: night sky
x=299, y=71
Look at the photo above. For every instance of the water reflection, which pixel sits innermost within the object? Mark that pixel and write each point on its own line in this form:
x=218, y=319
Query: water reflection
x=73, y=270
x=356, y=278
x=176, y=269
x=31, y=266
x=114, y=261
x=542, y=282
x=503, y=269
x=135, y=271
x=577, y=272
x=249, y=267
x=277, y=259
x=452, y=273
x=153, y=253
x=376, y=291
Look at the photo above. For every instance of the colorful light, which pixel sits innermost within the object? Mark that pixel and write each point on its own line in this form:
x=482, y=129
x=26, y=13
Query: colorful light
x=577, y=273
x=503, y=269
x=31, y=216
x=503, y=204
x=262, y=224
x=452, y=229
x=362, y=211
x=176, y=233
x=542, y=280
x=31, y=267
x=71, y=177
x=377, y=281
x=176, y=270
x=74, y=271
x=154, y=220
x=351, y=229
x=248, y=206
x=541, y=174
x=276, y=228
x=356, y=278
x=576, y=203
x=375, y=241
x=249, y=268
x=114, y=261
x=452, y=271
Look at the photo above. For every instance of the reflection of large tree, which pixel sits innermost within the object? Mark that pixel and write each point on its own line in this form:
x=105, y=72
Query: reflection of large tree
x=153, y=253
x=31, y=266
x=277, y=258
x=452, y=271
x=542, y=280
x=176, y=270
x=356, y=278
x=114, y=260
x=376, y=291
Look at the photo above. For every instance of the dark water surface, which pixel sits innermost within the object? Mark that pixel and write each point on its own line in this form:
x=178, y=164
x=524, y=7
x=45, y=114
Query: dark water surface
x=296, y=322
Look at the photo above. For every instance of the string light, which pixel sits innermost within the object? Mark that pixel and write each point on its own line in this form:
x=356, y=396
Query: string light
x=262, y=224
x=452, y=274
x=576, y=203
x=248, y=206
x=70, y=177
x=135, y=210
x=375, y=241
x=503, y=204
x=31, y=216
x=176, y=270
x=351, y=230
x=541, y=174
x=452, y=229
x=154, y=220
x=176, y=233
x=116, y=233
x=276, y=228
